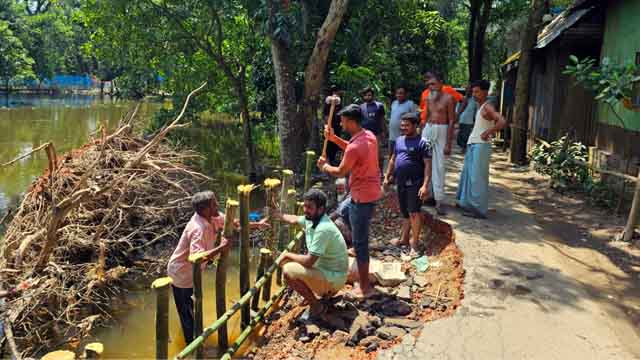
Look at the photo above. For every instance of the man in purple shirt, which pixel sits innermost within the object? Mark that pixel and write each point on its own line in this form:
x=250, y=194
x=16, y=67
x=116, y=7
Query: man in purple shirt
x=410, y=165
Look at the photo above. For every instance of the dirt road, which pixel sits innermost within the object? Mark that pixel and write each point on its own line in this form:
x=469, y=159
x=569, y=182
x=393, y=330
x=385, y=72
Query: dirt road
x=535, y=287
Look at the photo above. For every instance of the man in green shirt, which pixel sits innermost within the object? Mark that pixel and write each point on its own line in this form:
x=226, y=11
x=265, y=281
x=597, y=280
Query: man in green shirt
x=323, y=270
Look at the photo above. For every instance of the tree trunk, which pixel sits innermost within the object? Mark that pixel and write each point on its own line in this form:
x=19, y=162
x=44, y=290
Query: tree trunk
x=474, y=11
x=519, y=127
x=294, y=124
x=314, y=72
x=290, y=129
x=478, y=44
x=250, y=165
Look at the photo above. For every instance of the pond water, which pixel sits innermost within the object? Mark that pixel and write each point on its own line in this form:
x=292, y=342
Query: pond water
x=29, y=121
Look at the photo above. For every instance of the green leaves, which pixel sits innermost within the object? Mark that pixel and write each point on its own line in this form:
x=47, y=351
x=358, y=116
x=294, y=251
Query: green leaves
x=610, y=82
x=563, y=161
x=15, y=61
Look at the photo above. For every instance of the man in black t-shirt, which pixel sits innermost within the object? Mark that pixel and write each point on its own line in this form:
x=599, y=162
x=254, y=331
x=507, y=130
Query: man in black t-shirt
x=410, y=165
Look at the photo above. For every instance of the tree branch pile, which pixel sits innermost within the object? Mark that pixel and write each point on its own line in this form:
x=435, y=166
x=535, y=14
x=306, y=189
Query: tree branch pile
x=100, y=213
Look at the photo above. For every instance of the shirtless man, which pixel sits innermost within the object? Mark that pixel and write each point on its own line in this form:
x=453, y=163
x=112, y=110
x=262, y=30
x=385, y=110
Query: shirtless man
x=439, y=132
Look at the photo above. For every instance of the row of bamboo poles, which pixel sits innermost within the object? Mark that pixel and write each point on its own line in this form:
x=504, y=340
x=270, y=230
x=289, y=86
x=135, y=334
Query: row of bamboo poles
x=250, y=299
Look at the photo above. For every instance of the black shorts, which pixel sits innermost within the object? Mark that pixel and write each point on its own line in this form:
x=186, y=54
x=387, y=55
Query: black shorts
x=409, y=200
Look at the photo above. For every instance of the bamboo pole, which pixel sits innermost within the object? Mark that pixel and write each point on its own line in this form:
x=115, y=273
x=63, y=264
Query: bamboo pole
x=197, y=304
x=270, y=186
x=268, y=261
x=287, y=183
x=244, y=300
x=221, y=274
x=302, y=246
x=244, y=192
x=308, y=169
x=161, y=288
x=254, y=322
x=95, y=350
x=291, y=209
x=262, y=265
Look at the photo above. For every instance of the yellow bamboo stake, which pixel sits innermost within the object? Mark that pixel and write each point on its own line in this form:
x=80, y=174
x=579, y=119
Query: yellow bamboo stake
x=270, y=186
x=221, y=274
x=161, y=288
x=310, y=156
x=244, y=192
x=287, y=184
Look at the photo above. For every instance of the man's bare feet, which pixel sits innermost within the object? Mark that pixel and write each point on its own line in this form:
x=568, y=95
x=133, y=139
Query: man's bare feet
x=399, y=242
x=357, y=294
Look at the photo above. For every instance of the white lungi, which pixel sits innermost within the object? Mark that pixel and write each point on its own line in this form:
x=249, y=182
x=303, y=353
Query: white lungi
x=436, y=136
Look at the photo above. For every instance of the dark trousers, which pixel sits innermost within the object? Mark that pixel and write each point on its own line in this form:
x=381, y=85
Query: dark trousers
x=463, y=134
x=184, y=305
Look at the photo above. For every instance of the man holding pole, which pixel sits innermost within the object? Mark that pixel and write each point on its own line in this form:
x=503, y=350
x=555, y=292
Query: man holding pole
x=323, y=270
x=360, y=162
x=198, y=236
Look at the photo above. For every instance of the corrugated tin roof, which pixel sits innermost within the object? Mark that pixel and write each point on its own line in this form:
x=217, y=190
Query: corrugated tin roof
x=562, y=22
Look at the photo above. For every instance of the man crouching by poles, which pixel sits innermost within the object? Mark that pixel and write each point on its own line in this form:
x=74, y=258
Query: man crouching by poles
x=198, y=236
x=323, y=270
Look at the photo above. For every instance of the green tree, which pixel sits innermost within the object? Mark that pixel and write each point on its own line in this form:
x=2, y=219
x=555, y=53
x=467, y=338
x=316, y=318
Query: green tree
x=14, y=59
x=612, y=84
x=184, y=42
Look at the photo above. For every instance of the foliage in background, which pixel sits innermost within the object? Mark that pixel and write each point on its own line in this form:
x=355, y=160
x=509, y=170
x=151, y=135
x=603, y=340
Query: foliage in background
x=565, y=162
x=15, y=61
x=612, y=83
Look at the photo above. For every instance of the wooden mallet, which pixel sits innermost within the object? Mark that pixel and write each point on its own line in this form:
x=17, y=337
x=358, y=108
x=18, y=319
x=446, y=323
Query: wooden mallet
x=333, y=99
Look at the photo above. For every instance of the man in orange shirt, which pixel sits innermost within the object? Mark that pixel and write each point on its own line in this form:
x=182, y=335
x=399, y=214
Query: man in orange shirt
x=425, y=94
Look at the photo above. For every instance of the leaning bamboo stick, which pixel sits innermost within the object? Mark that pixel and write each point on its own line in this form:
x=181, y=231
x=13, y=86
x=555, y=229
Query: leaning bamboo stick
x=264, y=253
x=310, y=155
x=254, y=322
x=161, y=288
x=244, y=191
x=268, y=261
x=45, y=145
x=244, y=300
x=221, y=274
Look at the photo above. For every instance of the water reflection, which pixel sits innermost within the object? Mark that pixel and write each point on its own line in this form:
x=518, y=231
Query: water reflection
x=66, y=122
x=133, y=336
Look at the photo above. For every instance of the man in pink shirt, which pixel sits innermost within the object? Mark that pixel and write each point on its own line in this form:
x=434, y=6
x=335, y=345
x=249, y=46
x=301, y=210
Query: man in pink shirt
x=198, y=236
x=360, y=162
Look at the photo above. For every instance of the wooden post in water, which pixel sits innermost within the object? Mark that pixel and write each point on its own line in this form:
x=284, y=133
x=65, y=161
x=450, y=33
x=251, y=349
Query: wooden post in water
x=161, y=288
x=221, y=274
x=266, y=256
x=262, y=265
x=308, y=169
x=244, y=191
x=196, y=260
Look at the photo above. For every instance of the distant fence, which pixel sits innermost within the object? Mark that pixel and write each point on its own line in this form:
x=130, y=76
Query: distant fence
x=57, y=82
